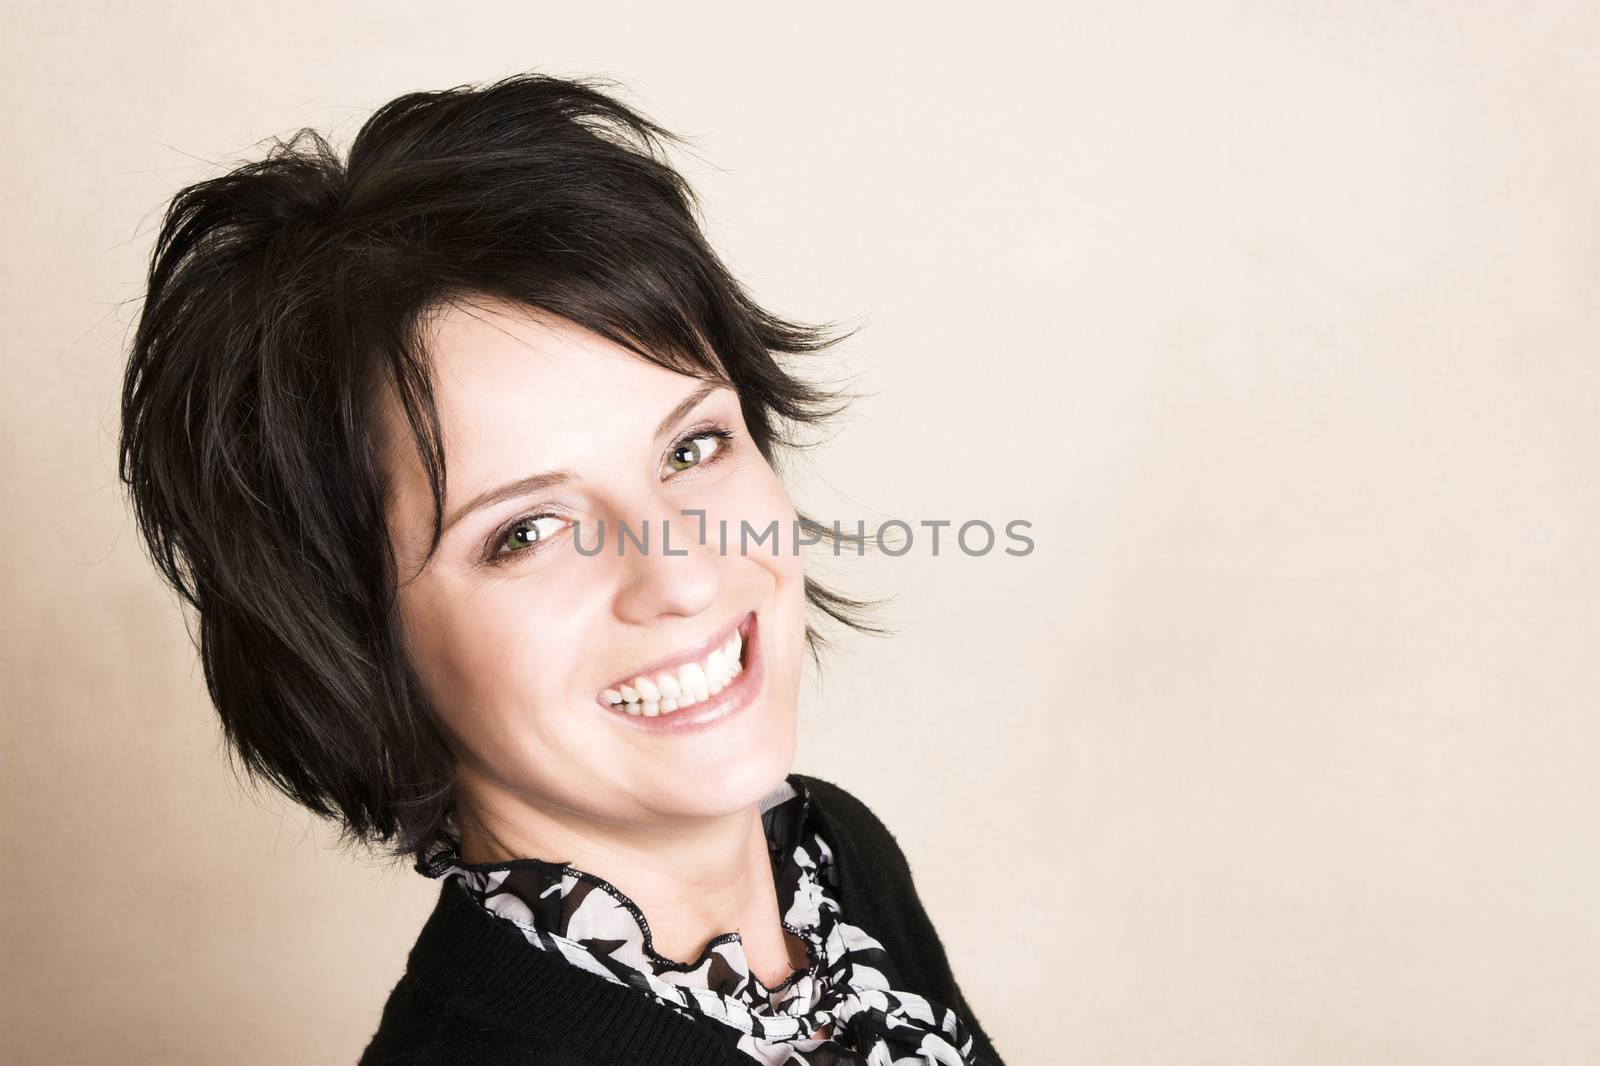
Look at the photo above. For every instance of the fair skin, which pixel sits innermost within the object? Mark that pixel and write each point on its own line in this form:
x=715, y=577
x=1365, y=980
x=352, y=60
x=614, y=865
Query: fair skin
x=513, y=653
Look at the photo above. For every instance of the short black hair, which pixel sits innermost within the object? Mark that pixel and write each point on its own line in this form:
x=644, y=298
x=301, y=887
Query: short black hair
x=285, y=296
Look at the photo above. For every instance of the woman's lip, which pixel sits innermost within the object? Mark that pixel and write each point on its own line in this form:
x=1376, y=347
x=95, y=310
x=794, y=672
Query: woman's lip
x=695, y=654
x=737, y=695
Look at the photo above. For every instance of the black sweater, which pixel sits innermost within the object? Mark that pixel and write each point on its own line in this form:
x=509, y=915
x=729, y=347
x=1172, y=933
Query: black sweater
x=475, y=992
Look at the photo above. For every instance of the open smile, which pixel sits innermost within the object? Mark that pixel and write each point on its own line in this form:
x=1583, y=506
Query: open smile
x=708, y=681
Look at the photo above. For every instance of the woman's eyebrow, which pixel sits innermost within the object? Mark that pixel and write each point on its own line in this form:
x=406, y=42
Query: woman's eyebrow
x=676, y=414
x=552, y=478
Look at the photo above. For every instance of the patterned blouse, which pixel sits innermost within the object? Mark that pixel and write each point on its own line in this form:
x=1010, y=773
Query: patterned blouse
x=846, y=983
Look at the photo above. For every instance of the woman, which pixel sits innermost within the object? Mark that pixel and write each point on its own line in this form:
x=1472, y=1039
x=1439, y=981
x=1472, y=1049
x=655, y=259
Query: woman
x=555, y=673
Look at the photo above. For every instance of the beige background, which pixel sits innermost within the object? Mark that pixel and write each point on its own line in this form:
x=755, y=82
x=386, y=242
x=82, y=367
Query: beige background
x=1278, y=321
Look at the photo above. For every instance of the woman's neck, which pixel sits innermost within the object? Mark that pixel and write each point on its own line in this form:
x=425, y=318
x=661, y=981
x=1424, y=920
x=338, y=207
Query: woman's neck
x=693, y=880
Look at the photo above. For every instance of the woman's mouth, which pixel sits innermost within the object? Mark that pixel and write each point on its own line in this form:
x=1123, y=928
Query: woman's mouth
x=692, y=681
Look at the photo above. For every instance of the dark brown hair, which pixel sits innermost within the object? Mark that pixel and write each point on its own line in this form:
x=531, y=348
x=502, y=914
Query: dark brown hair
x=286, y=294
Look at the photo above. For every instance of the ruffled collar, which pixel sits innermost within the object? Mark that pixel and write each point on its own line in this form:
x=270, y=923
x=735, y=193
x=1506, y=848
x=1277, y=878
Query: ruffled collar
x=843, y=992
x=559, y=900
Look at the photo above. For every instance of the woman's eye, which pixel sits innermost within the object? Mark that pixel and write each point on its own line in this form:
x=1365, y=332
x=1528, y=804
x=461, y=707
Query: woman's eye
x=528, y=532
x=694, y=450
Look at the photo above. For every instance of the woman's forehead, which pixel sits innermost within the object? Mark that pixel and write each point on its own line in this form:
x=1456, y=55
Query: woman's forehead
x=519, y=363
x=480, y=344
x=518, y=389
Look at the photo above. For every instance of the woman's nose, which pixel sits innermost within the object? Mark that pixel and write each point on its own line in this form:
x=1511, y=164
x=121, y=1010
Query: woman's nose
x=666, y=571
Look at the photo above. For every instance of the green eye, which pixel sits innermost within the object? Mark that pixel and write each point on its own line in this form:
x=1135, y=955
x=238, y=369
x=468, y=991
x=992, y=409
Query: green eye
x=693, y=451
x=529, y=531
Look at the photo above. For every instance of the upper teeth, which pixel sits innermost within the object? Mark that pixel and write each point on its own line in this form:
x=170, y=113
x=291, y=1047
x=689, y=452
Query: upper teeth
x=671, y=690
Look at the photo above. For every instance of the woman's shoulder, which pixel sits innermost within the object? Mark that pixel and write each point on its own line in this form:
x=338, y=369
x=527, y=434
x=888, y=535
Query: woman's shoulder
x=871, y=866
x=880, y=896
x=838, y=801
x=829, y=794
x=849, y=817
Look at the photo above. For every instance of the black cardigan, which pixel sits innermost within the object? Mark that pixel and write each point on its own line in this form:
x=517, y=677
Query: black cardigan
x=475, y=992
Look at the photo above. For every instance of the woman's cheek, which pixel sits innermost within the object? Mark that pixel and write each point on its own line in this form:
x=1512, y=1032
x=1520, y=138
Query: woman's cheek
x=760, y=500
x=465, y=645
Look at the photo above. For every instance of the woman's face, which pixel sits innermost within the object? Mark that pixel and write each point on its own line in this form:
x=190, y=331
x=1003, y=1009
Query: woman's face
x=517, y=636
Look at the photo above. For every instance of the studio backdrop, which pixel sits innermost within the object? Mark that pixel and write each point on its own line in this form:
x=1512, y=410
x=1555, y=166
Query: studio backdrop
x=1277, y=328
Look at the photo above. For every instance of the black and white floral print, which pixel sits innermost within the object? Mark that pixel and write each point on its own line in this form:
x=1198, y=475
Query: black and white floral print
x=847, y=982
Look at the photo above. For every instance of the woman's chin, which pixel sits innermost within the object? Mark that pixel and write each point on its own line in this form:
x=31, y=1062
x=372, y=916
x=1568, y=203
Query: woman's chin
x=729, y=781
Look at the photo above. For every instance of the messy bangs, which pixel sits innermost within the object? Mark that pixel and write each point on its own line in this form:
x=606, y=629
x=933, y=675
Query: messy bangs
x=287, y=296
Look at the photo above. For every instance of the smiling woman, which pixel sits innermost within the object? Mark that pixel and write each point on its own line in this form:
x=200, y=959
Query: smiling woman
x=517, y=637
x=588, y=743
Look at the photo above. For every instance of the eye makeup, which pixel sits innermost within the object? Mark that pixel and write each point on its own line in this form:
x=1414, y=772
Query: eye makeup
x=494, y=552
